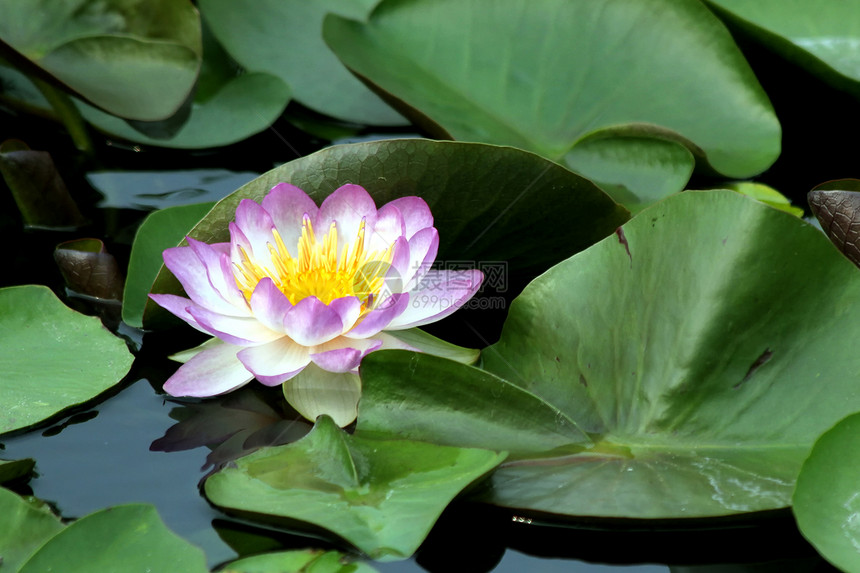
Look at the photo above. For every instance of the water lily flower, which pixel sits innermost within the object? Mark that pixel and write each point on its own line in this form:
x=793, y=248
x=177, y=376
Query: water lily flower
x=305, y=287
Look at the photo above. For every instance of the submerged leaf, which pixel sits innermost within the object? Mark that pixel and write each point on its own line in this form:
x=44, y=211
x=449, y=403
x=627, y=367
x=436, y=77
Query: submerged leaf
x=38, y=189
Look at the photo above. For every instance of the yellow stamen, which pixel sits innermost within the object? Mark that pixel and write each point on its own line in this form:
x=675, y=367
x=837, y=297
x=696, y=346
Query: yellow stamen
x=316, y=270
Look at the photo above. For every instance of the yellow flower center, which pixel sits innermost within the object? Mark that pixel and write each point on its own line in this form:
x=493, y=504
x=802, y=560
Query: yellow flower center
x=317, y=271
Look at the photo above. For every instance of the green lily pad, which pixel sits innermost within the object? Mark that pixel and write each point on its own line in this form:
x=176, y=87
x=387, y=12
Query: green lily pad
x=229, y=105
x=135, y=59
x=826, y=499
x=383, y=496
x=824, y=38
x=517, y=76
x=491, y=204
x=243, y=106
x=695, y=354
x=160, y=230
x=25, y=526
x=308, y=560
x=51, y=357
x=126, y=538
x=257, y=35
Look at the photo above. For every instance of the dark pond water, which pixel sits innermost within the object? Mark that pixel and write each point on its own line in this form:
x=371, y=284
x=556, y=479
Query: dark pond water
x=100, y=455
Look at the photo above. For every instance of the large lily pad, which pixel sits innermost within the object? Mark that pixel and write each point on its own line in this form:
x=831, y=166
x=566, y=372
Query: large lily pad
x=284, y=38
x=126, y=538
x=824, y=38
x=491, y=204
x=137, y=59
x=826, y=500
x=383, y=496
x=691, y=347
x=551, y=76
x=51, y=357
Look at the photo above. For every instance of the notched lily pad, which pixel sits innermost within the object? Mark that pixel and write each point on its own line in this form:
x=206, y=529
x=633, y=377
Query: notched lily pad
x=13, y=470
x=517, y=77
x=696, y=356
x=383, y=496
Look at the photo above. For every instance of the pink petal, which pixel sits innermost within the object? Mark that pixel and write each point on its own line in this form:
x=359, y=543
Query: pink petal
x=219, y=271
x=275, y=362
x=287, y=205
x=377, y=319
x=235, y=330
x=177, y=305
x=423, y=247
x=439, y=294
x=310, y=322
x=343, y=354
x=213, y=371
x=416, y=214
x=388, y=227
x=270, y=305
x=256, y=226
x=347, y=206
x=192, y=274
x=348, y=308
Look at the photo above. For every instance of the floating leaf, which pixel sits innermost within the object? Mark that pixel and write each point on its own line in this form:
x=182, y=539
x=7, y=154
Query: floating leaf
x=517, y=76
x=254, y=33
x=245, y=105
x=125, y=538
x=836, y=205
x=826, y=499
x=51, y=358
x=229, y=105
x=136, y=59
x=823, y=37
x=695, y=355
x=39, y=191
x=297, y=562
x=26, y=526
x=383, y=496
x=492, y=205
